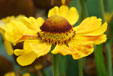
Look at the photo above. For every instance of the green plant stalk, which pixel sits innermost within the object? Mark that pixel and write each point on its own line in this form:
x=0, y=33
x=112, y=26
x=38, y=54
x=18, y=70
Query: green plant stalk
x=80, y=66
x=109, y=58
x=83, y=15
x=63, y=65
x=84, y=12
x=44, y=73
x=99, y=58
x=109, y=67
x=56, y=65
x=108, y=5
x=101, y=8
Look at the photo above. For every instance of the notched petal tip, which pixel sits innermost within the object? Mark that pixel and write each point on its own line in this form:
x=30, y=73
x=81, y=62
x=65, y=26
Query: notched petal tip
x=70, y=14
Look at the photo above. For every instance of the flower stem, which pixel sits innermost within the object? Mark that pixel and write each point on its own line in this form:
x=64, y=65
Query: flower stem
x=84, y=12
x=56, y=65
x=80, y=67
x=99, y=58
x=44, y=73
x=109, y=58
x=101, y=7
x=108, y=5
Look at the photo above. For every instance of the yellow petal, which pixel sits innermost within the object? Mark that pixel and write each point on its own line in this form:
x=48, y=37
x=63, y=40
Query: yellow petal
x=10, y=74
x=40, y=48
x=26, y=74
x=70, y=14
x=62, y=49
x=81, y=40
x=18, y=52
x=53, y=11
x=8, y=47
x=27, y=58
x=16, y=30
x=80, y=51
x=7, y=44
x=101, y=39
x=99, y=31
x=32, y=23
x=63, y=2
x=88, y=25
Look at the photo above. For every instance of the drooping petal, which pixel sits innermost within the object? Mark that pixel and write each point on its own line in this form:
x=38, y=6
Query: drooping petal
x=80, y=51
x=40, y=48
x=70, y=14
x=88, y=25
x=16, y=30
x=32, y=23
x=8, y=47
x=18, y=52
x=62, y=49
x=7, y=44
x=27, y=58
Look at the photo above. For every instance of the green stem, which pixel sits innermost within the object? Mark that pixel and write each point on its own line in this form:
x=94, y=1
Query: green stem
x=101, y=7
x=56, y=65
x=99, y=58
x=108, y=5
x=80, y=67
x=44, y=73
x=109, y=58
x=84, y=12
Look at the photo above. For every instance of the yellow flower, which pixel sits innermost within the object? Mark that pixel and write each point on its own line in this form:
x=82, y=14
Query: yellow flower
x=3, y=23
x=13, y=74
x=58, y=30
x=108, y=16
x=10, y=74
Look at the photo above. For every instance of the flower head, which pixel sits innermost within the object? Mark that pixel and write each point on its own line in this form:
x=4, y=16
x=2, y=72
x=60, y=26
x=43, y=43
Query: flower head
x=108, y=16
x=38, y=35
x=3, y=23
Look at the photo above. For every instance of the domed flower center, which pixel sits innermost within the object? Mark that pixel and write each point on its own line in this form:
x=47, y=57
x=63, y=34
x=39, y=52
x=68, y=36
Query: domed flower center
x=56, y=24
x=56, y=30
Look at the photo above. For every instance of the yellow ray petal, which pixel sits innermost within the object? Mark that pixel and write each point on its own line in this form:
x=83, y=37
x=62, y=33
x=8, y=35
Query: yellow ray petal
x=101, y=39
x=7, y=44
x=62, y=49
x=81, y=40
x=18, y=52
x=27, y=58
x=8, y=47
x=10, y=74
x=70, y=14
x=99, y=31
x=53, y=11
x=88, y=25
x=16, y=30
x=40, y=48
x=26, y=74
x=80, y=51
x=63, y=2
x=33, y=24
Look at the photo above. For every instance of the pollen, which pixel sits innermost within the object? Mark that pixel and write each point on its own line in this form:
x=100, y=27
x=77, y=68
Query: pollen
x=56, y=24
x=56, y=30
